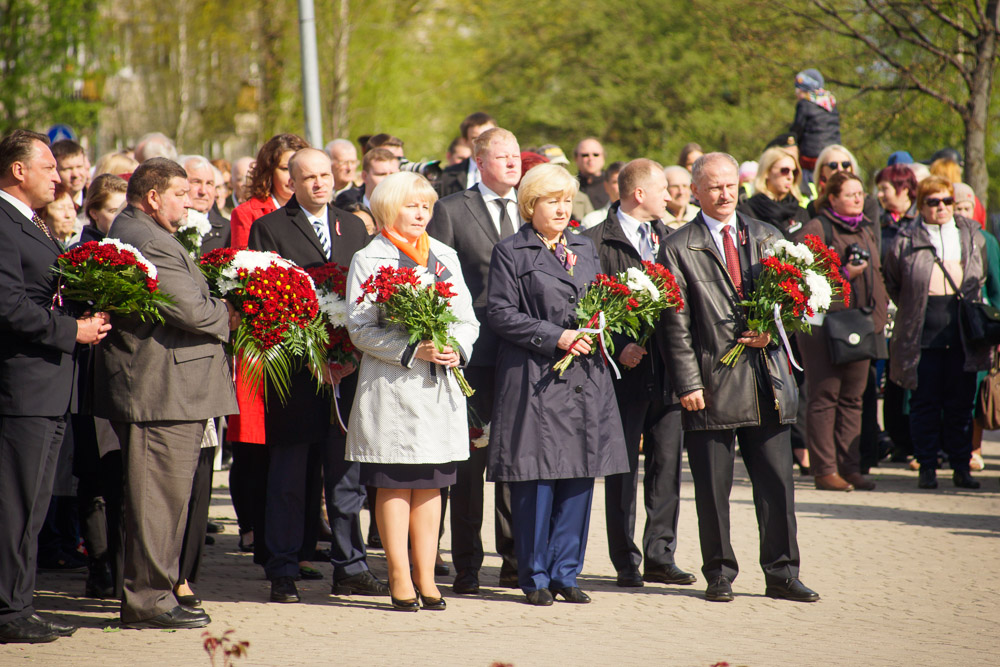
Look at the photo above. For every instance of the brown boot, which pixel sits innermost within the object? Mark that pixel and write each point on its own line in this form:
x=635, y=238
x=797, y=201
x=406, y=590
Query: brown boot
x=832, y=482
x=859, y=481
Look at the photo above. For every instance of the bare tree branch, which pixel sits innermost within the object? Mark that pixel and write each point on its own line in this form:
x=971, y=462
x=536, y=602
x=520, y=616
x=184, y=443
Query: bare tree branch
x=873, y=87
x=934, y=9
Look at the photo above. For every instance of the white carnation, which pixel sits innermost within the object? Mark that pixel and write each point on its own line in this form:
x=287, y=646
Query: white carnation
x=334, y=309
x=796, y=250
x=424, y=277
x=637, y=281
x=820, y=292
x=146, y=265
x=198, y=221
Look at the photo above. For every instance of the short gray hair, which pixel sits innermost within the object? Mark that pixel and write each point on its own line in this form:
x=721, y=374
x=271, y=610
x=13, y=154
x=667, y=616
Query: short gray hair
x=346, y=143
x=677, y=170
x=155, y=144
x=702, y=163
x=197, y=162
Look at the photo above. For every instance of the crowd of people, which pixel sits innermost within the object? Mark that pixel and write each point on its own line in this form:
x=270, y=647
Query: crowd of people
x=110, y=426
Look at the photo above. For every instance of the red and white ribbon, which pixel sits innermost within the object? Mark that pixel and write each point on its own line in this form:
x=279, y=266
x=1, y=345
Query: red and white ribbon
x=784, y=336
x=601, y=323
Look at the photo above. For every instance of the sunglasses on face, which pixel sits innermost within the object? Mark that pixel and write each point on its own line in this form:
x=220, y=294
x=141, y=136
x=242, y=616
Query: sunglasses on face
x=845, y=165
x=785, y=171
x=934, y=202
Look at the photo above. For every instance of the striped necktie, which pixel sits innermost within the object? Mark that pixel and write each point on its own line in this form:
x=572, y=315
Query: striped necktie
x=322, y=233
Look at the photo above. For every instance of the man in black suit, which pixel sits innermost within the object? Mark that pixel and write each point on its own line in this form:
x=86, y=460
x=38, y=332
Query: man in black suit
x=38, y=340
x=311, y=232
x=715, y=259
x=201, y=177
x=472, y=222
x=465, y=174
x=630, y=235
x=376, y=165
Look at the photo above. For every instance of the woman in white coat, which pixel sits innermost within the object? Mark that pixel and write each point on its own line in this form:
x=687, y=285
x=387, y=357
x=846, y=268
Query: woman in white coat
x=408, y=425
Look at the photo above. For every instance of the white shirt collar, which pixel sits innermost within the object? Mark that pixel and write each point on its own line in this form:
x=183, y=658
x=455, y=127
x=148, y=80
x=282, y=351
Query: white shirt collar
x=473, y=175
x=366, y=202
x=715, y=229
x=321, y=218
x=489, y=195
x=631, y=228
x=21, y=207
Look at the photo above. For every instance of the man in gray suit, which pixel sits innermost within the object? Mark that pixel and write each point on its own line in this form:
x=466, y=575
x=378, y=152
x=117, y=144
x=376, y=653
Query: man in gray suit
x=159, y=384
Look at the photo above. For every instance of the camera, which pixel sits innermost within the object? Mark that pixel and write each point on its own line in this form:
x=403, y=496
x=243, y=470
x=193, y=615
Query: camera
x=857, y=255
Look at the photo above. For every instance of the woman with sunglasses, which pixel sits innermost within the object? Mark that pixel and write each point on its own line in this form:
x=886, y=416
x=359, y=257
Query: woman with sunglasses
x=929, y=264
x=836, y=390
x=832, y=159
x=776, y=199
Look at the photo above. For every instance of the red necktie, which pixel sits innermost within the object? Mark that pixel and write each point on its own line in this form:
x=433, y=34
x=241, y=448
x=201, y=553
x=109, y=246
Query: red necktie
x=732, y=259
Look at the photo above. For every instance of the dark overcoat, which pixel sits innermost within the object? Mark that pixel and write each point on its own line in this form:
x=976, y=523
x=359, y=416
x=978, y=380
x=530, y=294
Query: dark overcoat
x=545, y=426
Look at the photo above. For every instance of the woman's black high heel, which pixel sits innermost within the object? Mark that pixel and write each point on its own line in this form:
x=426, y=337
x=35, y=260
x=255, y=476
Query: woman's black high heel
x=433, y=604
x=405, y=605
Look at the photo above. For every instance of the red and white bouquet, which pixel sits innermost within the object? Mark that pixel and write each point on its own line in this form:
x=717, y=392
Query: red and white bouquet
x=629, y=303
x=331, y=293
x=417, y=303
x=280, y=314
x=192, y=231
x=113, y=277
x=798, y=280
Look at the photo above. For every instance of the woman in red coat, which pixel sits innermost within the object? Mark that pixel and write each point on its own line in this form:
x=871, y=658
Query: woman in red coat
x=269, y=190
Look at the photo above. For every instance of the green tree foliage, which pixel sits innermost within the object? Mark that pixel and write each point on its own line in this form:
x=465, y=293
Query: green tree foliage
x=47, y=68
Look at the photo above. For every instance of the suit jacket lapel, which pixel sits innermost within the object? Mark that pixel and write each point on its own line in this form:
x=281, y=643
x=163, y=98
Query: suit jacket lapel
x=29, y=227
x=298, y=217
x=477, y=206
x=700, y=238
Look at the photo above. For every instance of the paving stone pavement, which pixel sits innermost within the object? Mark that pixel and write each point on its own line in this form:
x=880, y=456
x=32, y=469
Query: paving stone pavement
x=907, y=577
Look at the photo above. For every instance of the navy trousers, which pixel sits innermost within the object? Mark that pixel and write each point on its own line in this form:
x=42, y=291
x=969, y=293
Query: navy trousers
x=551, y=518
x=344, y=498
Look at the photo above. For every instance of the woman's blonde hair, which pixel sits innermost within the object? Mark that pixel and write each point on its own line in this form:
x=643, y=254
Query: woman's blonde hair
x=543, y=181
x=116, y=163
x=947, y=169
x=389, y=196
x=767, y=160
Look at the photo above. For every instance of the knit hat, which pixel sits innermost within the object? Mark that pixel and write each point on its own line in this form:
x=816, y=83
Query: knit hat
x=809, y=80
x=963, y=192
x=553, y=153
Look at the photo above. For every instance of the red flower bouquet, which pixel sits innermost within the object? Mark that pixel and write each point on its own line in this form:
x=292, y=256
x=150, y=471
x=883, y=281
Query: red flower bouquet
x=798, y=281
x=421, y=307
x=630, y=303
x=280, y=314
x=113, y=277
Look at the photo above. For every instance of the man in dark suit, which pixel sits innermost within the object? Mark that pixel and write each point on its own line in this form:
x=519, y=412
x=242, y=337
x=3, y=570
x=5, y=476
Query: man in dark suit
x=37, y=339
x=311, y=232
x=160, y=384
x=465, y=174
x=715, y=259
x=472, y=222
x=376, y=165
x=630, y=235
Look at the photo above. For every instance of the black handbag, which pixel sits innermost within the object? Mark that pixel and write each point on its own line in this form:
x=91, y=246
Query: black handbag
x=980, y=322
x=851, y=335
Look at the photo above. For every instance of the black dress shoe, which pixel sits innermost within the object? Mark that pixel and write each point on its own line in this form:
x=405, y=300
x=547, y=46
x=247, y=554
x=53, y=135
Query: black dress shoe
x=572, y=594
x=928, y=478
x=209, y=540
x=508, y=579
x=791, y=589
x=213, y=528
x=283, y=590
x=363, y=583
x=964, y=480
x=629, y=579
x=433, y=604
x=177, y=618
x=719, y=590
x=405, y=605
x=191, y=601
x=466, y=582
x=99, y=583
x=27, y=631
x=668, y=574
x=441, y=570
x=540, y=598
x=62, y=629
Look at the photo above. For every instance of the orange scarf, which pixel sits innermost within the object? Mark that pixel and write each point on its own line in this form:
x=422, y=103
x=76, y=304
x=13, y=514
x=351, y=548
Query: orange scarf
x=418, y=251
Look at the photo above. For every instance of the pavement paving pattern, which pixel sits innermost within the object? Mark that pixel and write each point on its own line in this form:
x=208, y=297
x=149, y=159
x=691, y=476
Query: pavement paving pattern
x=907, y=577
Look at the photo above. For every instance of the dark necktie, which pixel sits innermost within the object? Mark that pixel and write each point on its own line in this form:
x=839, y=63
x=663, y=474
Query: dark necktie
x=645, y=242
x=41, y=225
x=506, y=224
x=732, y=259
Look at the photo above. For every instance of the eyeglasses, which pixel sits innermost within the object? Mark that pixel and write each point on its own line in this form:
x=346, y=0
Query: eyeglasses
x=785, y=171
x=845, y=165
x=588, y=154
x=934, y=202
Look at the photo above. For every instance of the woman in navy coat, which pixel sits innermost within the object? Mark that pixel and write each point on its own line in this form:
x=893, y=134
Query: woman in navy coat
x=550, y=435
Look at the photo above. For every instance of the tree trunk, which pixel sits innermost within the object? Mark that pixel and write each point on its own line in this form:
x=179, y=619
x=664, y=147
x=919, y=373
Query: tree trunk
x=976, y=173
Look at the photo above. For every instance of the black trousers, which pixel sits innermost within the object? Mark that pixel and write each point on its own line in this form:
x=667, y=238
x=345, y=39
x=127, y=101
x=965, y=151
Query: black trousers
x=29, y=447
x=197, y=518
x=247, y=476
x=767, y=453
x=661, y=426
x=292, y=508
x=344, y=498
x=941, y=408
x=467, y=493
